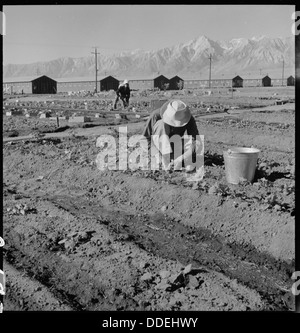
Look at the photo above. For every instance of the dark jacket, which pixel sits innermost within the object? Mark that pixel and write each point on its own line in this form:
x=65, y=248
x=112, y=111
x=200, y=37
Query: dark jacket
x=123, y=91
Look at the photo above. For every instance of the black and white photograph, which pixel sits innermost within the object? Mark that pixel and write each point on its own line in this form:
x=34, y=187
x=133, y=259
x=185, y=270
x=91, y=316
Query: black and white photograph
x=149, y=160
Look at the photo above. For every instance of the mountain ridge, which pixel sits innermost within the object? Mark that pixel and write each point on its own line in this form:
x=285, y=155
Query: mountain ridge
x=254, y=56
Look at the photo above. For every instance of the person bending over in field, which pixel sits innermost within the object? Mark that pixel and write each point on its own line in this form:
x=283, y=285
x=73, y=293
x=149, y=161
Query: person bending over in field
x=166, y=128
x=123, y=93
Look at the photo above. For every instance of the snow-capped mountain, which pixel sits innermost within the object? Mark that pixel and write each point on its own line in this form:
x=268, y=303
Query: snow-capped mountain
x=250, y=57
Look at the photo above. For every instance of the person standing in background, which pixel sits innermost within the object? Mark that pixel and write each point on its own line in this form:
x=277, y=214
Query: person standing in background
x=123, y=93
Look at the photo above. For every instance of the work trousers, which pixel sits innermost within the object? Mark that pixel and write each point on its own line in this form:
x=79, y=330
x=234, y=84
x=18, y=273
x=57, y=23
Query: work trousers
x=125, y=101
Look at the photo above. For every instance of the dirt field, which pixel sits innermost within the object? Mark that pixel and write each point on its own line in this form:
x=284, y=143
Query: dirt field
x=78, y=238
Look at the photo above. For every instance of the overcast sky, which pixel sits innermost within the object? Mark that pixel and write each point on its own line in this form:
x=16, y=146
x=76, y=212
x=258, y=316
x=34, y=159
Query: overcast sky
x=42, y=32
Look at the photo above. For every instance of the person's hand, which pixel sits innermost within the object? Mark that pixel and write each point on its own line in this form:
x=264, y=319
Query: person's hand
x=166, y=164
x=171, y=165
x=190, y=168
x=167, y=167
x=177, y=163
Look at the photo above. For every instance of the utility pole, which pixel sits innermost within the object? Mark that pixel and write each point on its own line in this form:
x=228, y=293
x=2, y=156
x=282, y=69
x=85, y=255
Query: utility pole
x=209, y=83
x=96, y=69
x=282, y=70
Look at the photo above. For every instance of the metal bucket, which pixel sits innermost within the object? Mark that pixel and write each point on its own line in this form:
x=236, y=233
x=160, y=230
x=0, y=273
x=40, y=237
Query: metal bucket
x=240, y=164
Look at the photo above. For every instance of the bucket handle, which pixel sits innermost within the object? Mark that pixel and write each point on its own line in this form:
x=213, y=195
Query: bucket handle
x=229, y=151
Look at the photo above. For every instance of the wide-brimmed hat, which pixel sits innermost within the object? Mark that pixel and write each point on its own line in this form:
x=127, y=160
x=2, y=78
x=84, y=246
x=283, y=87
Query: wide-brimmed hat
x=175, y=113
x=125, y=82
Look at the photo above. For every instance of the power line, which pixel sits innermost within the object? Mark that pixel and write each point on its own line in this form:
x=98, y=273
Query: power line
x=96, y=69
